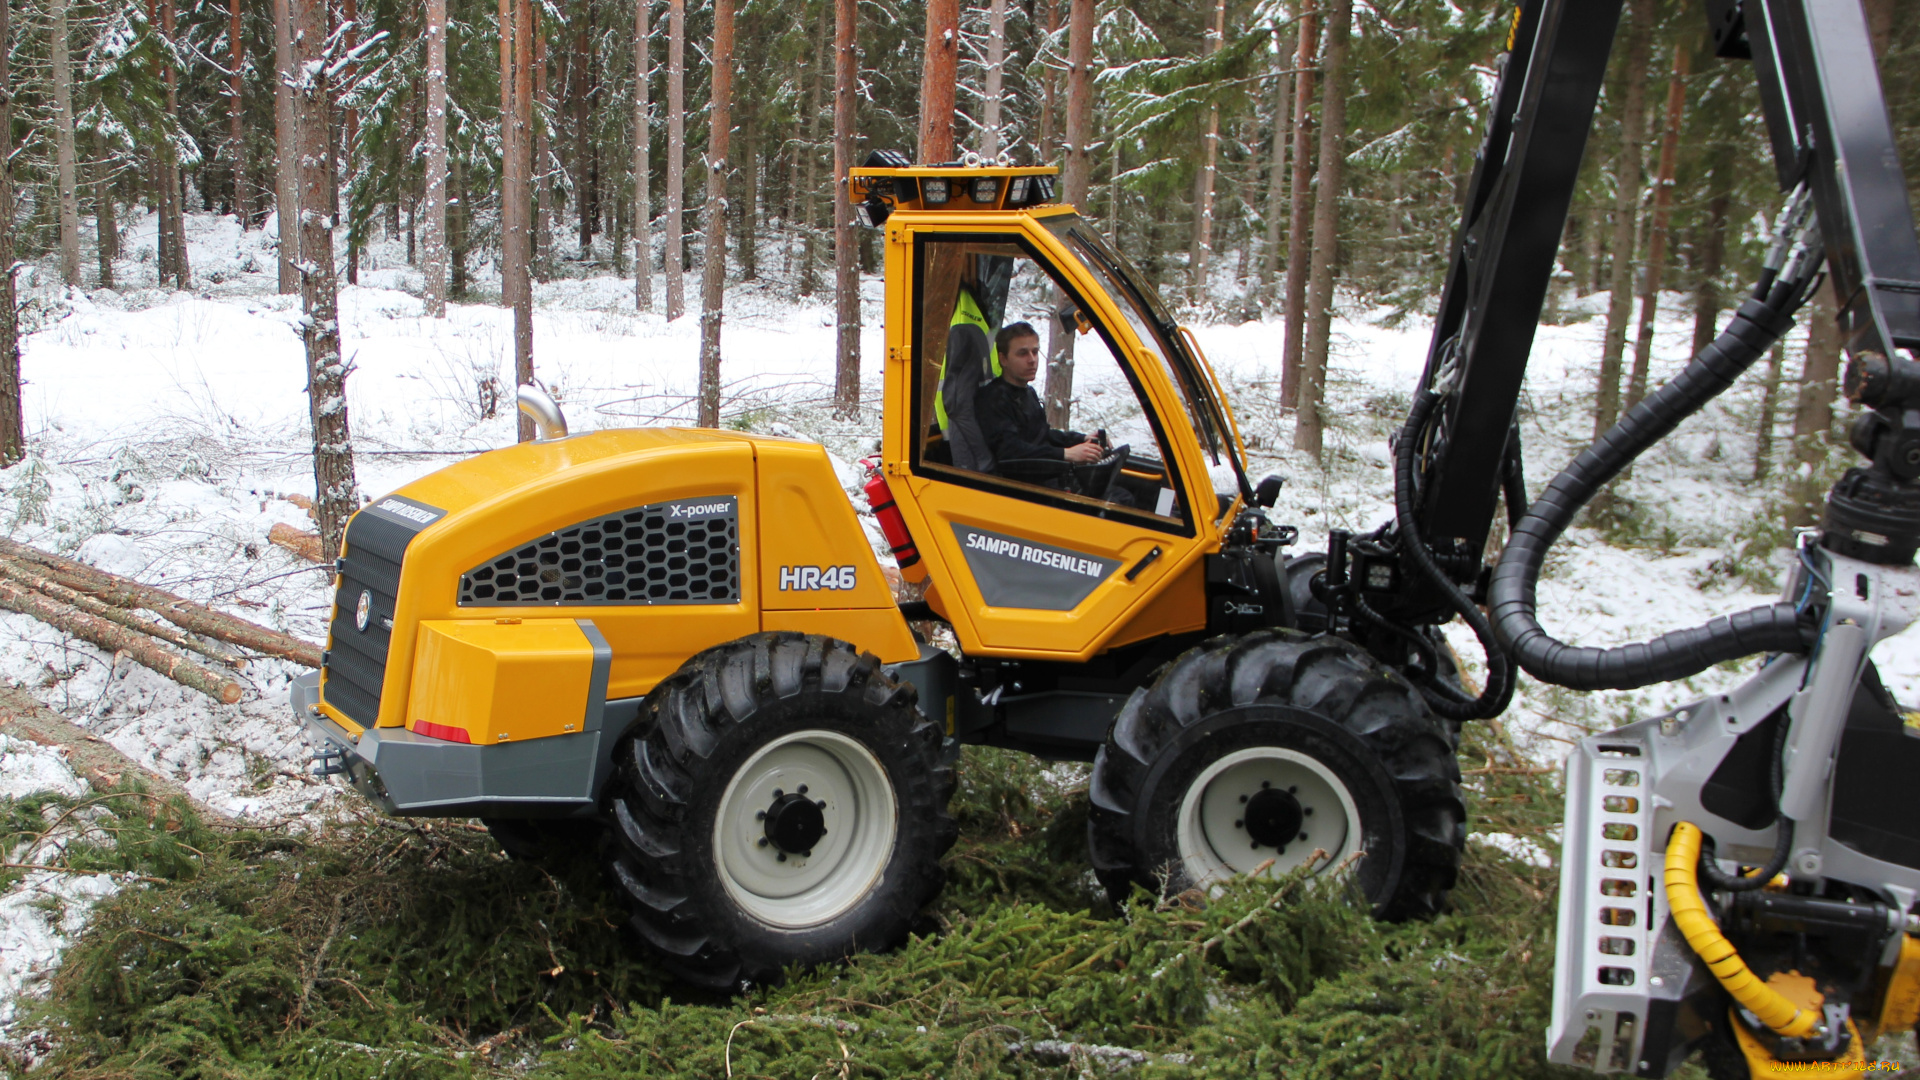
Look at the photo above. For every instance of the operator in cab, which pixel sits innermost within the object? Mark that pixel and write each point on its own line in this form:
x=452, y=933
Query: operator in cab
x=1012, y=421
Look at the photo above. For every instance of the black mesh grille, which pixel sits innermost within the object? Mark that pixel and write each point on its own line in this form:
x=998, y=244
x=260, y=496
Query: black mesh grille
x=685, y=552
x=356, y=664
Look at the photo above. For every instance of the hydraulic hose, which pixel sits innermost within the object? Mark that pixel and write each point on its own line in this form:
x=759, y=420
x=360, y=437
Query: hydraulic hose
x=1782, y=841
x=1512, y=595
x=1690, y=916
x=1498, y=692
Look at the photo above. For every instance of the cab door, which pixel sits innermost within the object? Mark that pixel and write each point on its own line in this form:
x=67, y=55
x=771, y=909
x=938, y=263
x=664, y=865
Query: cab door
x=1047, y=561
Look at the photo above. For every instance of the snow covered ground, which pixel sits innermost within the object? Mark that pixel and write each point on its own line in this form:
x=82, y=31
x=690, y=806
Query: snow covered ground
x=167, y=427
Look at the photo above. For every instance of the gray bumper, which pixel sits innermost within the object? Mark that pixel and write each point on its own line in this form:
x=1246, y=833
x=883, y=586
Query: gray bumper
x=415, y=776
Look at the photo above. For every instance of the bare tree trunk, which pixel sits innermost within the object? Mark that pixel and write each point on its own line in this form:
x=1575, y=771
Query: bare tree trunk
x=810, y=183
x=523, y=144
x=1813, y=411
x=542, y=171
x=350, y=117
x=1074, y=181
x=996, y=73
x=236, y=125
x=1657, y=230
x=1769, y=410
x=106, y=231
x=577, y=75
x=435, y=262
x=676, y=156
x=1297, y=250
x=1204, y=182
x=1310, y=424
x=713, y=289
x=1706, y=295
x=747, y=221
x=846, y=267
x=63, y=144
x=939, y=75
x=458, y=217
x=286, y=155
x=1049, y=85
x=642, y=166
x=173, y=250
x=336, y=494
x=1626, y=202
x=1276, y=170
x=13, y=437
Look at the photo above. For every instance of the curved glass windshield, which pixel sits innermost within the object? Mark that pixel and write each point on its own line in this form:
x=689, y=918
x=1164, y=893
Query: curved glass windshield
x=1154, y=327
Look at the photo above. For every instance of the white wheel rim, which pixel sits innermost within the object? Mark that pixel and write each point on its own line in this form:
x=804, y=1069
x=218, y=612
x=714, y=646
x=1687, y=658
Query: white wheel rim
x=1214, y=843
x=795, y=889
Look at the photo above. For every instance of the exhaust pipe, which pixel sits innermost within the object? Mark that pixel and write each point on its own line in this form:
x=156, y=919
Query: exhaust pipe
x=541, y=409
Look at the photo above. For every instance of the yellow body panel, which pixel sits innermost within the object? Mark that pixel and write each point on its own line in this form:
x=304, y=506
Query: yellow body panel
x=1901, y=1008
x=806, y=521
x=502, y=679
x=881, y=632
x=1118, y=609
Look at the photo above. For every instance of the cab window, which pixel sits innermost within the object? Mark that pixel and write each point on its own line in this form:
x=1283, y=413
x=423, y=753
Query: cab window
x=1021, y=386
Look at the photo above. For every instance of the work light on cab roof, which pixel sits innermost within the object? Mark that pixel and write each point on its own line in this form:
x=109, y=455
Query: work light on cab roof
x=888, y=182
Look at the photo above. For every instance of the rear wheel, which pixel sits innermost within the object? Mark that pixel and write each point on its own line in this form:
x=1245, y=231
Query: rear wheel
x=784, y=804
x=1262, y=750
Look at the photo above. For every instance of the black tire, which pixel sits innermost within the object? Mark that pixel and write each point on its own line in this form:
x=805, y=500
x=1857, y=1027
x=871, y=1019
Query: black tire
x=716, y=724
x=1316, y=707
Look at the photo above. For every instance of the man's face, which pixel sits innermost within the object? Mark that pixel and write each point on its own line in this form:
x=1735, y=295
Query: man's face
x=1021, y=362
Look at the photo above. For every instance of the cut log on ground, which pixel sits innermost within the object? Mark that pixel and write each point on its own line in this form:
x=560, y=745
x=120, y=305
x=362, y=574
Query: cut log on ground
x=124, y=616
x=116, y=638
x=89, y=756
x=184, y=613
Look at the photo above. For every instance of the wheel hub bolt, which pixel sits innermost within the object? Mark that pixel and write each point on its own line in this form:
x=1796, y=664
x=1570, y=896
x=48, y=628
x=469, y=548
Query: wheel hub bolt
x=794, y=823
x=1273, y=817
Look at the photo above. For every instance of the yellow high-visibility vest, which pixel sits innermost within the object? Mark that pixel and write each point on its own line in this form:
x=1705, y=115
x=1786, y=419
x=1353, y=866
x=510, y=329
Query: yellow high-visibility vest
x=966, y=312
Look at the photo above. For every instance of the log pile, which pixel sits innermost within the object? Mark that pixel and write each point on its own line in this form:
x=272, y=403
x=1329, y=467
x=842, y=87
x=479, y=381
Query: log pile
x=104, y=608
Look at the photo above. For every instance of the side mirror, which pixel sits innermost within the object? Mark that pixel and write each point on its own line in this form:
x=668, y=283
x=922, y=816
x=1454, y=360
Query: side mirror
x=1267, y=492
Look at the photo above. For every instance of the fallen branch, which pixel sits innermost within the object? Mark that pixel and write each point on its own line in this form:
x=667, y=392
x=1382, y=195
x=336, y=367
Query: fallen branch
x=76, y=870
x=124, y=616
x=116, y=638
x=22, y=715
x=181, y=612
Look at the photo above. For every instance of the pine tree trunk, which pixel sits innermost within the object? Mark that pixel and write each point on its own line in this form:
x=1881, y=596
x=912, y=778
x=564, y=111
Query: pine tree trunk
x=286, y=155
x=174, y=198
x=63, y=144
x=996, y=74
x=676, y=156
x=1049, y=84
x=1657, y=230
x=714, y=258
x=542, y=170
x=846, y=269
x=13, y=438
x=1626, y=202
x=1769, y=409
x=236, y=113
x=349, y=144
x=1309, y=427
x=457, y=219
x=1075, y=178
x=1276, y=170
x=642, y=165
x=106, y=231
x=748, y=218
x=1299, y=206
x=1813, y=412
x=1204, y=182
x=939, y=75
x=336, y=495
x=810, y=184
x=524, y=36
x=577, y=76
x=435, y=262
x=1706, y=294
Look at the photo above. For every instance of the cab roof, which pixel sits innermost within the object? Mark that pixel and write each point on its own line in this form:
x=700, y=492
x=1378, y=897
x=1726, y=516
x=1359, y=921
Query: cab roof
x=950, y=187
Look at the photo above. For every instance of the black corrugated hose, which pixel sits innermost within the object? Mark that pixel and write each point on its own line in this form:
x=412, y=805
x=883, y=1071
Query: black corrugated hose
x=1772, y=628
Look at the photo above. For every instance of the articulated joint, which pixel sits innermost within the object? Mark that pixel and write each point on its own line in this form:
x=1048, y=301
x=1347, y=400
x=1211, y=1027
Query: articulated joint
x=1704, y=937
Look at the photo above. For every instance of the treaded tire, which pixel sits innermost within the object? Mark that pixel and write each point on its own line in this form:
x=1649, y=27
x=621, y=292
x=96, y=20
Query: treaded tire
x=1315, y=697
x=712, y=721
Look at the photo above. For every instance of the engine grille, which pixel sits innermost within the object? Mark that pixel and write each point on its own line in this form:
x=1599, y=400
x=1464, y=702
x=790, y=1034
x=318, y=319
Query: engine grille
x=376, y=544
x=683, y=552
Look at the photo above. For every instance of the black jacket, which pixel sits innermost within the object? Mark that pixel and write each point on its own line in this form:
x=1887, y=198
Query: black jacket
x=1015, y=425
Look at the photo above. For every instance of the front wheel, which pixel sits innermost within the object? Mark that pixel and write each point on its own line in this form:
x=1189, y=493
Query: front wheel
x=1260, y=751
x=783, y=805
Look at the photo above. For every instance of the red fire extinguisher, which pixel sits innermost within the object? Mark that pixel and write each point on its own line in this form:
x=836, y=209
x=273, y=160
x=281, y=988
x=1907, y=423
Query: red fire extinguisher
x=880, y=498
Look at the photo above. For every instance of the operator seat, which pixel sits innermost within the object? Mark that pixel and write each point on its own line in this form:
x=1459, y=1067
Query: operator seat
x=972, y=361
